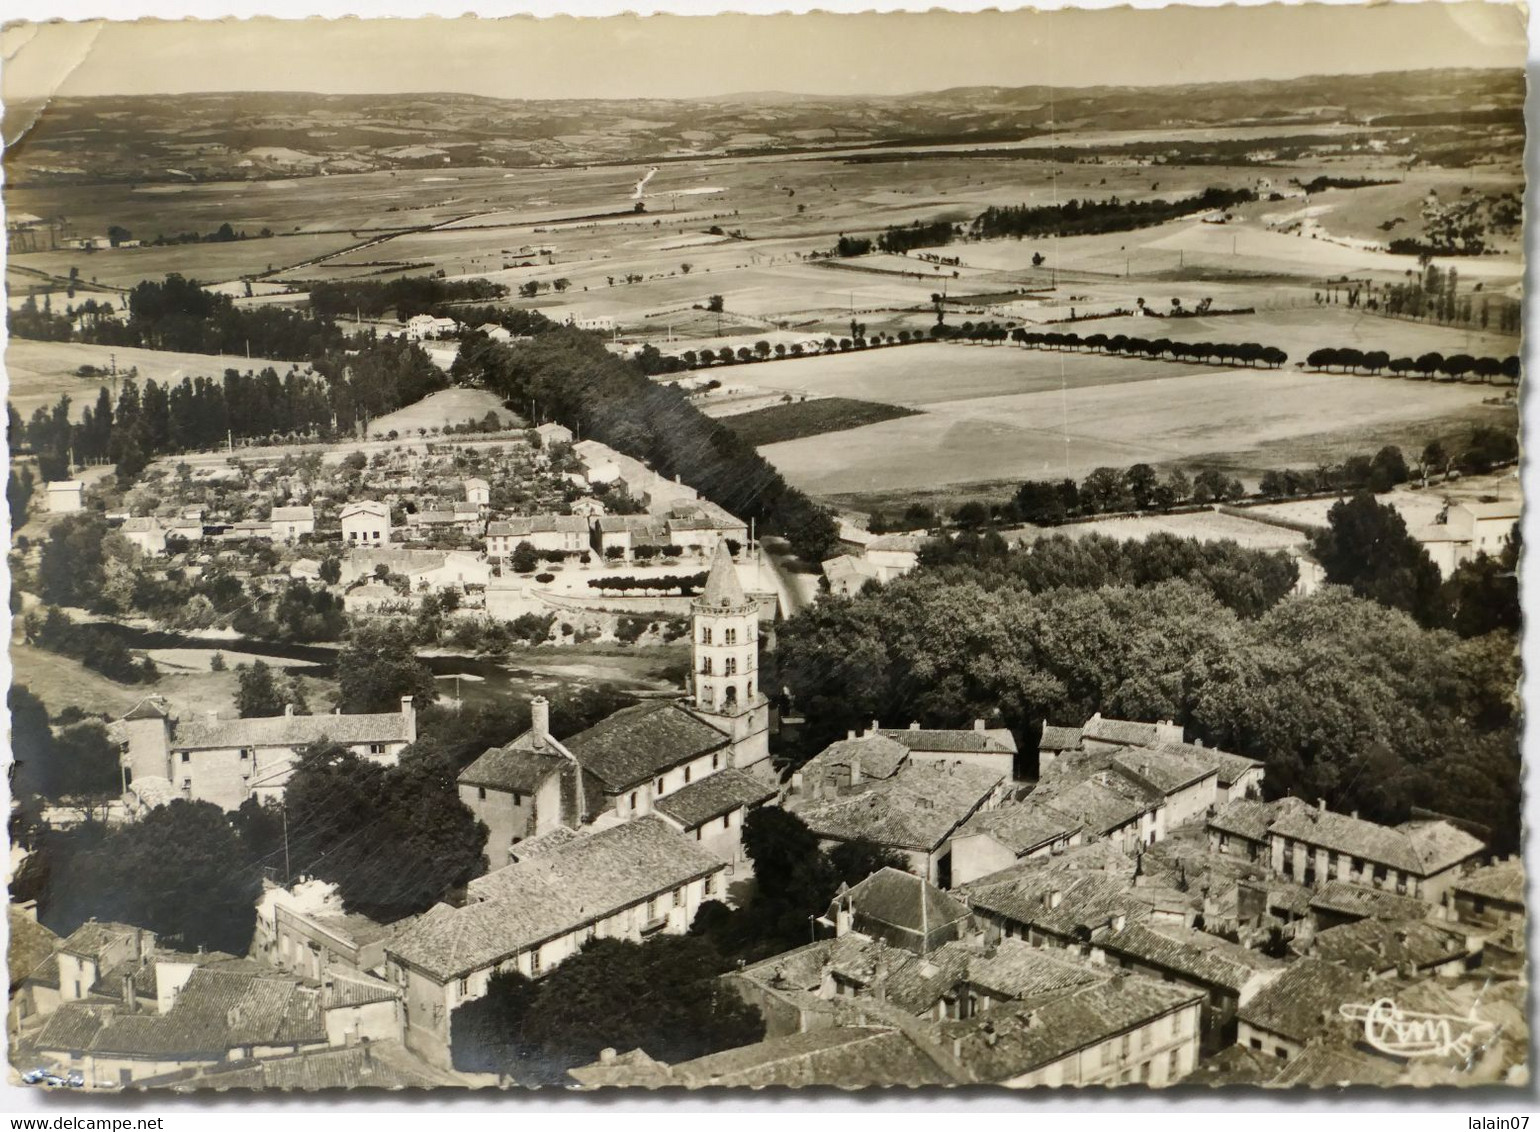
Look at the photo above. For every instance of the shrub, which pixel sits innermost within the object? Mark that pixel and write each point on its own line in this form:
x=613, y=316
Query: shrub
x=545, y=579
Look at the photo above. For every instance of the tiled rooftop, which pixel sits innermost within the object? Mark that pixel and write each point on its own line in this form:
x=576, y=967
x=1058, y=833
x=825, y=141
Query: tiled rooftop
x=520, y=905
x=714, y=796
x=638, y=742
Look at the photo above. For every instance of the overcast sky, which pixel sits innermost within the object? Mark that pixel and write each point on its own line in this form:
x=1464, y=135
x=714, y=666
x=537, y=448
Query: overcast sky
x=821, y=53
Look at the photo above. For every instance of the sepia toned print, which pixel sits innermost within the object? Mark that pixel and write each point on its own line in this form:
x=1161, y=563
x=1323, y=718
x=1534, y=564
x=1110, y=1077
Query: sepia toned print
x=566, y=553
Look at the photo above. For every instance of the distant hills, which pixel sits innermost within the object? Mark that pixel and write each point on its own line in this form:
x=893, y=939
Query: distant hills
x=220, y=136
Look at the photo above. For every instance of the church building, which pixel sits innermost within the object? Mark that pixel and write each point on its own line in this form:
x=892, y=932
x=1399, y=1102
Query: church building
x=700, y=761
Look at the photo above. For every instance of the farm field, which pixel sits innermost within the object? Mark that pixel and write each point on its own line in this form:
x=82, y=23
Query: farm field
x=1015, y=422
x=38, y=372
x=443, y=409
x=207, y=263
x=1206, y=526
x=810, y=418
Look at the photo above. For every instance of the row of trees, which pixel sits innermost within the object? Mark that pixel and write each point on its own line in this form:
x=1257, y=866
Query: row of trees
x=375, y=376
x=575, y=380
x=1218, y=353
x=405, y=297
x=1455, y=367
x=1111, y=490
x=1079, y=218
x=686, y=585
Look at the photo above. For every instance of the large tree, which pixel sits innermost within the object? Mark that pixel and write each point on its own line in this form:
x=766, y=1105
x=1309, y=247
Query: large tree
x=1367, y=547
x=394, y=840
x=257, y=692
x=178, y=871
x=664, y=996
x=378, y=666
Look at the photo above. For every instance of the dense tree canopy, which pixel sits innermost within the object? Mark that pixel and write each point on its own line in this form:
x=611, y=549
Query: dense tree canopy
x=201, y=894
x=664, y=996
x=1341, y=697
x=393, y=839
x=378, y=665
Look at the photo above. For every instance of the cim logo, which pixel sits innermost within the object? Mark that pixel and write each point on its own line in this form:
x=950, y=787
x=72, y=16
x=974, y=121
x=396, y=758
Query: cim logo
x=1409, y=1033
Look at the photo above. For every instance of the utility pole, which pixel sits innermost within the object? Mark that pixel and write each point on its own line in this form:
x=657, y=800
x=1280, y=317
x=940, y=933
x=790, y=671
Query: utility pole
x=288, y=874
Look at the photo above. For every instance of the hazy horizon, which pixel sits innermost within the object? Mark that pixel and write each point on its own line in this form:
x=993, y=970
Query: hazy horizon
x=808, y=55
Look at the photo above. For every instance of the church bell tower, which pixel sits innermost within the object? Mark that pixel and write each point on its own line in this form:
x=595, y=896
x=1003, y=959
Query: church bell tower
x=724, y=680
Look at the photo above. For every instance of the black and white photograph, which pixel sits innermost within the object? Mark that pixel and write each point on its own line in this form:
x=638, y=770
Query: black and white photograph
x=908, y=551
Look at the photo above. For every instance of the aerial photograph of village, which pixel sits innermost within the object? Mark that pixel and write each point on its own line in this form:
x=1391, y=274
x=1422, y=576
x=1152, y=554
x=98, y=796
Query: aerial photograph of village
x=696, y=570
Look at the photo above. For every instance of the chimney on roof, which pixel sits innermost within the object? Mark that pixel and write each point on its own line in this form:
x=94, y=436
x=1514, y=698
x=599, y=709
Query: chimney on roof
x=873, y=730
x=1197, y=742
x=855, y=771
x=607, y=1055
x=540, y=718
x=409, y=713
x=130, y=996
x=978, y=725
x=1320, y=805
x=850, y=734
x=288, y=710
x=1355, y=814
x=915, y=726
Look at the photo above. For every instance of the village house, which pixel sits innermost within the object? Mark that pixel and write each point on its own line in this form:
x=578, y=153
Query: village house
x=226, y=761
x=305, y=930
x=424, y=327
x=1380, y=949
x=626, y=882
x=552, y=434
x=146, y=533
x=435, y=570
x=1280, y=1020
x=1240, y=827
x=366, y=523
x=1338, y=902
x=64, y=497
x=992, y=840
x=289, y=523
x=634, y=758
x=699, y=528
x=524, y=789
x=566, y=533
x=713, y=809
x=1124, y=1031
x=79, y=963
x=1468, y=530
x=478, y=492
x=914, y=809
x=226, y=1011
x=874, y=1055
x=1228, y=974
x=622, y=534
x=980, y=745
x=367, y=1065
x=1416, y=858
x=1489, y=897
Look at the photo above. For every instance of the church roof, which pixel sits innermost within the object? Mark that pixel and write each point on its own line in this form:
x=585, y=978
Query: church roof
x=722, y=586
